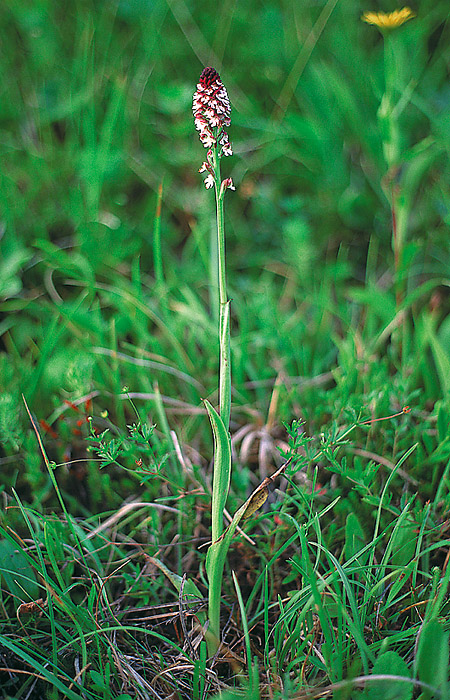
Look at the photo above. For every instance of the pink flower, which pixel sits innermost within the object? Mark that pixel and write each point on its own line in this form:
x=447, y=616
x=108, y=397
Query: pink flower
x=209, y=180
x=226, y=184
x=211, y=108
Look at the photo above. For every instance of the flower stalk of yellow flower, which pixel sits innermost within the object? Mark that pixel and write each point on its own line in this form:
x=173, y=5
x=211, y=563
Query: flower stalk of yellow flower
x=388, y=120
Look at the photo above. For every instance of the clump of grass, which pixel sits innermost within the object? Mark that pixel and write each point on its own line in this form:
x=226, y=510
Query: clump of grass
x=337, y=581
x=317, y=605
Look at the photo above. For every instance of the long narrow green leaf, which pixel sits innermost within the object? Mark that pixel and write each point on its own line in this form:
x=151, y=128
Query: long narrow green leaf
x=248, y=653
x=222, y=469
x=190, y=590
x=221, y=484
x=215, y=561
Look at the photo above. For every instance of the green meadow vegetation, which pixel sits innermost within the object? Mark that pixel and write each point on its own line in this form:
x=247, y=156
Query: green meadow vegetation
x=111, y=423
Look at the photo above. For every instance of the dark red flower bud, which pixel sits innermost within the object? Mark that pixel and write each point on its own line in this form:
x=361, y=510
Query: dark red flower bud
x=208, y=76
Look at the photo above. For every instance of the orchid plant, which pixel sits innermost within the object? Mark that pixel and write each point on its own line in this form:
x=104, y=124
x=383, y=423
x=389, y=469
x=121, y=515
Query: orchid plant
x=212, y=110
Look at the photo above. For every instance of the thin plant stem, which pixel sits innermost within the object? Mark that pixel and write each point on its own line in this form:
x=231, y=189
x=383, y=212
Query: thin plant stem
x=388, y=114
x=222, y=466
x=220, y=230
x=157, y=253
x=224, y=325
x=214, y=303
x=396, y=247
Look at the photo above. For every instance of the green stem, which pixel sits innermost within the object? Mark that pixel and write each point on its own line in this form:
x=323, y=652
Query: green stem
x=224, y=320
x=213, y=276
x=390, y=130
x=220, y=230
x=157, y=253
x=220, y=423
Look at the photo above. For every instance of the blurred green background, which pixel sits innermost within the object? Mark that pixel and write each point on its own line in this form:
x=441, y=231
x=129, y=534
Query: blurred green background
x=336, y=323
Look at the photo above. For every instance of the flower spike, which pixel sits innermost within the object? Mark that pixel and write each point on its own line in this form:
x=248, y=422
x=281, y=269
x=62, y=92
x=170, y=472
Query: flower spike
x=211, y=108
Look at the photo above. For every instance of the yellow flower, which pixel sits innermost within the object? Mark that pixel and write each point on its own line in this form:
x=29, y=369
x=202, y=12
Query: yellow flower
x=390, y=20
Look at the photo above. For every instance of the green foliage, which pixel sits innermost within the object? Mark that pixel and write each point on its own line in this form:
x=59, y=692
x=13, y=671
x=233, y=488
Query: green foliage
x=17, y=574
x=139, y=442
x=9, y=421
x=432, y=658
x=390, y=664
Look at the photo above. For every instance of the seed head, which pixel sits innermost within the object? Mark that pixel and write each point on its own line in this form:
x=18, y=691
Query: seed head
x=211, y=108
